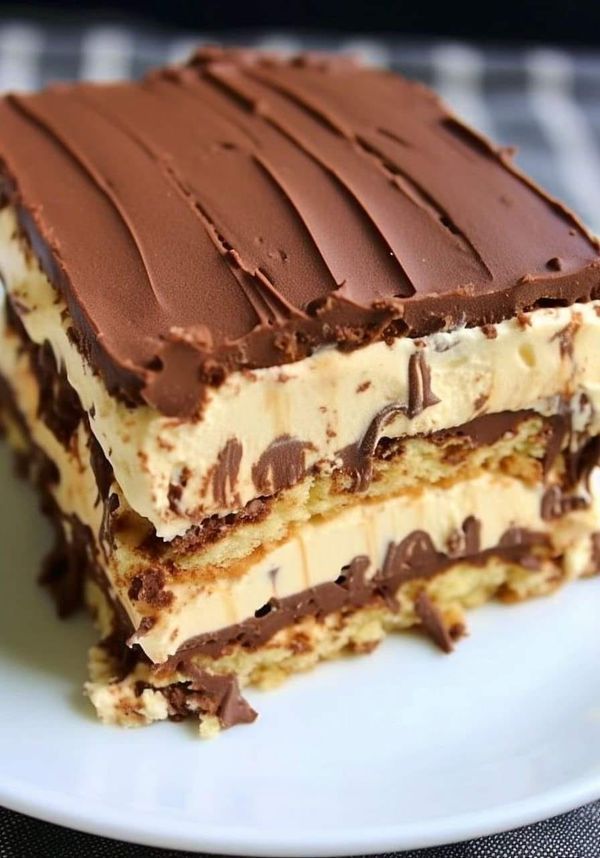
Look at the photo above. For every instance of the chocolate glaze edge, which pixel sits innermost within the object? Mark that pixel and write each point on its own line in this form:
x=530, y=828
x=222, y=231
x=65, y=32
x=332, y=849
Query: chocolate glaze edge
x=414, y=558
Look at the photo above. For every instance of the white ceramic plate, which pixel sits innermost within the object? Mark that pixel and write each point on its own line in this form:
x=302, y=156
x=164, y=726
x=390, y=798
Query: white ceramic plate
x=399, y=749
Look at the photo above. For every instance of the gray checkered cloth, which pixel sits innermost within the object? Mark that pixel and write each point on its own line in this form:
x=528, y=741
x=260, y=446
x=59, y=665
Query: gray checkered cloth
x=546, y=101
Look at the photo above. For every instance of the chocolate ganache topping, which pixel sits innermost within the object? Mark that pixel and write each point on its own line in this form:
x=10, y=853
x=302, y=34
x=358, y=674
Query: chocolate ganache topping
x=242, y=210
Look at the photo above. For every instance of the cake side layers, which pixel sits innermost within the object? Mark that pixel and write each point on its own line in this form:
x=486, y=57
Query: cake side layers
x=253, y=161
x=542, y=540
x=425, y=577
x=264, y=431
x=168, y=611
x=417, y=586
x=203, y=679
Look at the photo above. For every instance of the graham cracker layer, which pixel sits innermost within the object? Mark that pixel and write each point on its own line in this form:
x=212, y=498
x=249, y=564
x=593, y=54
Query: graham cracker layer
x=437, y=607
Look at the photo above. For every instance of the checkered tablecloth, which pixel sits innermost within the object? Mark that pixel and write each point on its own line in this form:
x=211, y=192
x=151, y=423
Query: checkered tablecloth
x=544, y=100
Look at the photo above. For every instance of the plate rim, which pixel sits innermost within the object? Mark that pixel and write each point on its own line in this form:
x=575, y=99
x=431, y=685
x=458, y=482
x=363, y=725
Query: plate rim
x=148, y=830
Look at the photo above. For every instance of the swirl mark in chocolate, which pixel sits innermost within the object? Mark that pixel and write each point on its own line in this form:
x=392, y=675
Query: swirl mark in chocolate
x=226, y=472
x=433, y=622
x=252, y=162
x=280, y=466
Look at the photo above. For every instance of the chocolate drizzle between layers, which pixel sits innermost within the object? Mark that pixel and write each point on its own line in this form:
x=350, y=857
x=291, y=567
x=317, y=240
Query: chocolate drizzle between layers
x=73, y=560
x=58, y=406
x=484, y=430
x=308, y=202
x=65, y=567
x=284, y=460
x=70, y=561
x=414, y=558
x=556, y=503
x=358, y=459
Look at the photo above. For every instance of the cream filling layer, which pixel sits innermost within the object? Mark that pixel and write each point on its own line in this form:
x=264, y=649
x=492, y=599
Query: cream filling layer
x=317, y=551
x=326, y=401
x=76, y=491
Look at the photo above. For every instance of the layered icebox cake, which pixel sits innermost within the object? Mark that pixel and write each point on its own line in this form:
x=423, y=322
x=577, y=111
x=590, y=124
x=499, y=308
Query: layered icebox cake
x=296, y=359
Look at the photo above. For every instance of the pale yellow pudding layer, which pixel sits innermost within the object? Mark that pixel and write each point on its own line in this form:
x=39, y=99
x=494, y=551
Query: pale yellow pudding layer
x=326, y=401
x=319, y=550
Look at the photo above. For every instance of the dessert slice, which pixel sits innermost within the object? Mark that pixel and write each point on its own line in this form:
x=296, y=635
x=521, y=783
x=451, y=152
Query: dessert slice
x=296, y=359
